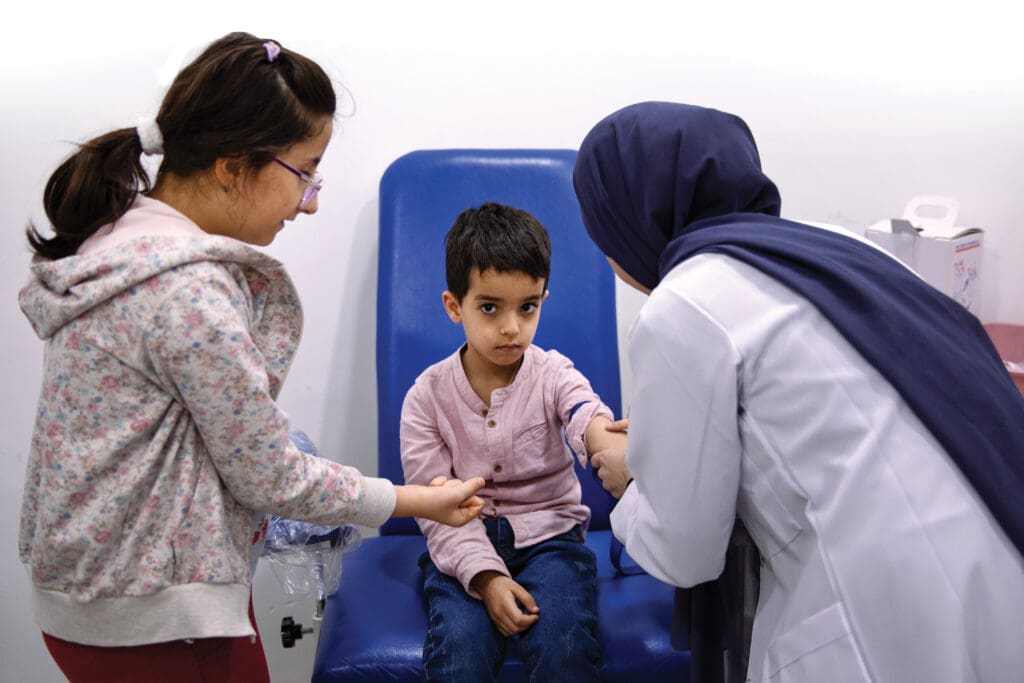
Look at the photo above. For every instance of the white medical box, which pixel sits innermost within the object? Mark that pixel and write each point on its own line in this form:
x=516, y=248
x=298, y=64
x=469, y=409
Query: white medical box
x=929, y=242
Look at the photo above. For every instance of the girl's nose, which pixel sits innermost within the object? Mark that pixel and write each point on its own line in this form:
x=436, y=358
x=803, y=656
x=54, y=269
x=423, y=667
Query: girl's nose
x=312, y=206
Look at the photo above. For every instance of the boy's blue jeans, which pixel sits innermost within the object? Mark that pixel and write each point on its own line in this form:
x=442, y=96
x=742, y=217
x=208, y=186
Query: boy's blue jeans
x=463, y=644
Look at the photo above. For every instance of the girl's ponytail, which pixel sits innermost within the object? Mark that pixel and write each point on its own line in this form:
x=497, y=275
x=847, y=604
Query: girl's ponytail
x=93, y=187
x=243, y=98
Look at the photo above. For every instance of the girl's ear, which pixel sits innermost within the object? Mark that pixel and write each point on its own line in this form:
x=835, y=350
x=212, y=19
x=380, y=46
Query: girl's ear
x=451, y=307
x=226, y=171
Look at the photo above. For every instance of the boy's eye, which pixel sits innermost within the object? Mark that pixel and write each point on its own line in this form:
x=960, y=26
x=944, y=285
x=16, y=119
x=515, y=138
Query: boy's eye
x=488, y=308
x=529, y=308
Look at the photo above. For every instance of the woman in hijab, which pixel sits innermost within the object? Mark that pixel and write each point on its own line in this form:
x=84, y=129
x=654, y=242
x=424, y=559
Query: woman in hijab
x=858, y=422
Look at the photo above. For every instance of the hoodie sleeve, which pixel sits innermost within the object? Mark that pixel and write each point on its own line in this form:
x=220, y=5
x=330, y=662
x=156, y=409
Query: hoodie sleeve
x=200, y=345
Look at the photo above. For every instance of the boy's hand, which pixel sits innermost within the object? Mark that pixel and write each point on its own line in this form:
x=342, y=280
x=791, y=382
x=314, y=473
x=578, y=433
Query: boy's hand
x=451, y=502
x=509, y=605
x=612, y=469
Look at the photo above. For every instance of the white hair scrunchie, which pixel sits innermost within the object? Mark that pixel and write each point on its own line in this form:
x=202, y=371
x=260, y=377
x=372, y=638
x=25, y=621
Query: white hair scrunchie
x=150, y=136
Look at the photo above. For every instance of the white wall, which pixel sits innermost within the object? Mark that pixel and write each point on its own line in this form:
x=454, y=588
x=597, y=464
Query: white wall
x=855, y=110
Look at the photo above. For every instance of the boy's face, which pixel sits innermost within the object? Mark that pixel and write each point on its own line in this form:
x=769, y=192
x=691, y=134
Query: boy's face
x=499, y=314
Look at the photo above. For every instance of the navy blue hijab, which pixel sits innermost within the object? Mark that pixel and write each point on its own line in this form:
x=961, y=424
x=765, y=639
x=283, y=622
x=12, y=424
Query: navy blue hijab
x=660, y=182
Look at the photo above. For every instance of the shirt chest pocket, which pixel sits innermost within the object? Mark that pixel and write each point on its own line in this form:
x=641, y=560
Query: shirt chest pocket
x=538, y=449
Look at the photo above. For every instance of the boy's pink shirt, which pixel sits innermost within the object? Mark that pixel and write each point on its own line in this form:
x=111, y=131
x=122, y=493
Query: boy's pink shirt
x=516, y=445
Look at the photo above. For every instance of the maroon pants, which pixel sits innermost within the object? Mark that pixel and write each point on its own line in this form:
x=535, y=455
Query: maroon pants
x=205, y=660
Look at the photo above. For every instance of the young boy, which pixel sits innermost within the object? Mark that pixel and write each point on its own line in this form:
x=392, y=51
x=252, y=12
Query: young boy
x=497, y=408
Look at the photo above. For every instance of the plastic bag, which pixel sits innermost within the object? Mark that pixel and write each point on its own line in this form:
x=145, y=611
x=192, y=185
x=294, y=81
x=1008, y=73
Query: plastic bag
x=306, y=558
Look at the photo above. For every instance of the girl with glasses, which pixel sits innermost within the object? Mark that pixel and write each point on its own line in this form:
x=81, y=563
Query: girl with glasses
x=159, y=448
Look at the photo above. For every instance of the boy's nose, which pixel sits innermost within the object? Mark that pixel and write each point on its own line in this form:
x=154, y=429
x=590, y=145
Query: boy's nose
x=509, y=327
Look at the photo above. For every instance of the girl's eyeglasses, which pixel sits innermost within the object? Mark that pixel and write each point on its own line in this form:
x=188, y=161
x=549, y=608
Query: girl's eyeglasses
x=313, y=183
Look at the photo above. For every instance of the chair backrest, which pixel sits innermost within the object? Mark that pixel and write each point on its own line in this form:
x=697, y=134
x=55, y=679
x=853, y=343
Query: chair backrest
x=421, y=194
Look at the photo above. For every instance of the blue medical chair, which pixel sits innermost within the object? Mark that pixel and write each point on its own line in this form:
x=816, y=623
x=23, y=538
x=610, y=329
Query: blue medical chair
x=374, y=626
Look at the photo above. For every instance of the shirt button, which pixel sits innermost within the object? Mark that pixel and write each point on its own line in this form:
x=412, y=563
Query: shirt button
x=485, y=412
x=491, y=423
x=497, y=468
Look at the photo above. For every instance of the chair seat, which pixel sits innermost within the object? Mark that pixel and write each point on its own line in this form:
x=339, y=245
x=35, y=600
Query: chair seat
x=384, y=627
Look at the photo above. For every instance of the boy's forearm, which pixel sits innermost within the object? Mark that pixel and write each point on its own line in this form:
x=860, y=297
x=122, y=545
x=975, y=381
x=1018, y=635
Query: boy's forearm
x=600, y=439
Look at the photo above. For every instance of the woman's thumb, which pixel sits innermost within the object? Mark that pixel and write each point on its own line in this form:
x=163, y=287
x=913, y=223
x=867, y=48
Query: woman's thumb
x=618, y=426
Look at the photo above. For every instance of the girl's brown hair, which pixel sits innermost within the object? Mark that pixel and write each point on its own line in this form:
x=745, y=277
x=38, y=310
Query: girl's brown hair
x=232, y=101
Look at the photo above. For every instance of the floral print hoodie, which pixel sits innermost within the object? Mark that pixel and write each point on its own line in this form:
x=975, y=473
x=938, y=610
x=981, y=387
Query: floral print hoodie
x=158, y=445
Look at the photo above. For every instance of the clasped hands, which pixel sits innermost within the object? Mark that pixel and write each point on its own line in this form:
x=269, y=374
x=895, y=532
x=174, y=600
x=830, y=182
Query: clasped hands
x=450, y=501
x=610, y=463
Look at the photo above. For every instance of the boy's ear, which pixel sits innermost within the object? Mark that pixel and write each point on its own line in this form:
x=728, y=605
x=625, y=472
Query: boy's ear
x=451, y=307
x=546, y=292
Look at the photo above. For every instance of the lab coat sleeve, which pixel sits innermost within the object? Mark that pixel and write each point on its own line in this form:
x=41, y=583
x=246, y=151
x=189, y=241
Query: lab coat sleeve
x=684, y=446
x=460, y=552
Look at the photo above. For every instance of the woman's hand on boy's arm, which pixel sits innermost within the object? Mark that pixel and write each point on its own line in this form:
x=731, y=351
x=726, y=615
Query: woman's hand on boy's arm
x=606, y=441
x=618, y=426
x=603, y=434
x=451, y=501
x=612, y=470
x=509, y=605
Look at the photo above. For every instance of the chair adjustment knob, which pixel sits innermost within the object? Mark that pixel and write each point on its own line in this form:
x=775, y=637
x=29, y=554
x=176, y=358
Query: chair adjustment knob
x=290, y=632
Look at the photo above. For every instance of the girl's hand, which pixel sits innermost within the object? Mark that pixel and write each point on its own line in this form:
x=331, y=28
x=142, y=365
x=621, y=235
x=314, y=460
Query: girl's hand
x=450, y=501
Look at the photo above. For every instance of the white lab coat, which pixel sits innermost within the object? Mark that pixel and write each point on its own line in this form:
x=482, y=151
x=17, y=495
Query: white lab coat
x=880, y=561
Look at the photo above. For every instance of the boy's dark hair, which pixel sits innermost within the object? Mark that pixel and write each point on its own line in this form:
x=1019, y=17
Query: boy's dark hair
x=495, y=236
x=231, y=101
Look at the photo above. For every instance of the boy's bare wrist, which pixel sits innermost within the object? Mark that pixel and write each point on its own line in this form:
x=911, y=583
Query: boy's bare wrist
x=479, y=581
